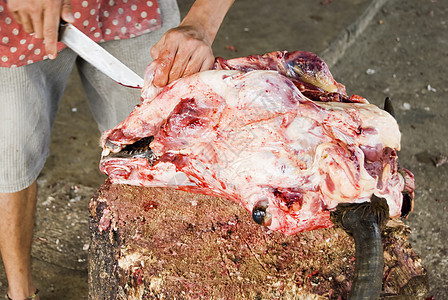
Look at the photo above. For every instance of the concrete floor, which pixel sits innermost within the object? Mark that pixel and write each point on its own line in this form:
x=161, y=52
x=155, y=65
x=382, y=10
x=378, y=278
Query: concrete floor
x=403, y=54
x=398, y=48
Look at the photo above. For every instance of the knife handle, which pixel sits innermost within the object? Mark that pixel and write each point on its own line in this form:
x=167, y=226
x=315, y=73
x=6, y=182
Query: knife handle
x=62, y=25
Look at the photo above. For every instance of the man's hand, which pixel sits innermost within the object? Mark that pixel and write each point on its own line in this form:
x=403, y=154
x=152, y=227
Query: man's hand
x=180, y=52
x=42, y=17
x=186, y=49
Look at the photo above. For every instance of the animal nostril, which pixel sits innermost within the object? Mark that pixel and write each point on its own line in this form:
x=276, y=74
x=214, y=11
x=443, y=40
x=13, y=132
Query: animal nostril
x=260, y=213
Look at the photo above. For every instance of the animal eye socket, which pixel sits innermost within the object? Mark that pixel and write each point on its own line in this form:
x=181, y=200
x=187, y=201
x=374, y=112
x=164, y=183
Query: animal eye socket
x=261, y=214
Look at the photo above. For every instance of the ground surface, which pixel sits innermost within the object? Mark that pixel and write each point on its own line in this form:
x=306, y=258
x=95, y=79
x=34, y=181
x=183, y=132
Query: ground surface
x=407, y=55
x=402, y=53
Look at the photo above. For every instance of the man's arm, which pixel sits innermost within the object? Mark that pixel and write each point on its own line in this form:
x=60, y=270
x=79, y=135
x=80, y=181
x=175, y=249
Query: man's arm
x=186, y=49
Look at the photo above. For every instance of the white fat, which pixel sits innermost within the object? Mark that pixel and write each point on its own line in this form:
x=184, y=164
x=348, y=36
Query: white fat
x=220, y=82
x=266, y=135
x=372, y=117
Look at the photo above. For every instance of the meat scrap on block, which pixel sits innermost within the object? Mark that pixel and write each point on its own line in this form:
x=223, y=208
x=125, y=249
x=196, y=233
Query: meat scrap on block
x=275, y=133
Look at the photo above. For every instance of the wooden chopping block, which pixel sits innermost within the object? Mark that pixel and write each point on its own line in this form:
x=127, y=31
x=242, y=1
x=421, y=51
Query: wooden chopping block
x=157, y=243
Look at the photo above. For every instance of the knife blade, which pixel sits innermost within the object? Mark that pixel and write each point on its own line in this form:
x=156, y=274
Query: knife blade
x=98, y=57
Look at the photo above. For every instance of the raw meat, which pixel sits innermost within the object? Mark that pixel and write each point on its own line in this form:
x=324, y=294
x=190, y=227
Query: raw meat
x=275, y=133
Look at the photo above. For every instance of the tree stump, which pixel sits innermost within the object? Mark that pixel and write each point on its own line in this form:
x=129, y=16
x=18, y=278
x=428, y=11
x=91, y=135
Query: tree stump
x=158, y=243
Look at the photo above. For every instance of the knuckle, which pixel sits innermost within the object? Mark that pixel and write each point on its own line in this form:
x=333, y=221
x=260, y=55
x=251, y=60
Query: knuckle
x=28, y=28
x=14, y=5
x=154, y=51
x=11, y=7
x=174, y=74
x=173, y=33
x=66, y=4
x=34, y=9
x=50, y=31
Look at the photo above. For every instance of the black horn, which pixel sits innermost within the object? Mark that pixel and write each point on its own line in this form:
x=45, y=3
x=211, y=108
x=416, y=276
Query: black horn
x=389, y=107
x=364, y=221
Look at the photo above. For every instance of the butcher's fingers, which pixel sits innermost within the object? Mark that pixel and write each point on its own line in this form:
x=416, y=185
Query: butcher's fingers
x=163, y=54
x=180, y=63
x=29, y=13
x=67, y=11
x=200, y=57
x=25, y=20
x=37, y=22
x=207, y=62
x=52, y=15
x=41, y=17
x=181, y=51
x=16, y=16
x=199, y=62
x=163, y=68
x=19, y=15
x=190, y=60
x=50, y=30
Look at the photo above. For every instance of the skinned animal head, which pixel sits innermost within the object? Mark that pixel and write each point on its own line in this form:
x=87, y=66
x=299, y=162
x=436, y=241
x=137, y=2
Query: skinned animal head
x=285, y=143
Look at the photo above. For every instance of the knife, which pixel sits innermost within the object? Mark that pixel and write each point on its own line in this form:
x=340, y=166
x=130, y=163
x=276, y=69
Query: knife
x=98, y=57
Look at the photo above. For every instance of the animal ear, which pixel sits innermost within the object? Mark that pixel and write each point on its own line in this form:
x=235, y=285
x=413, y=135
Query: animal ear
x=389, y=107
